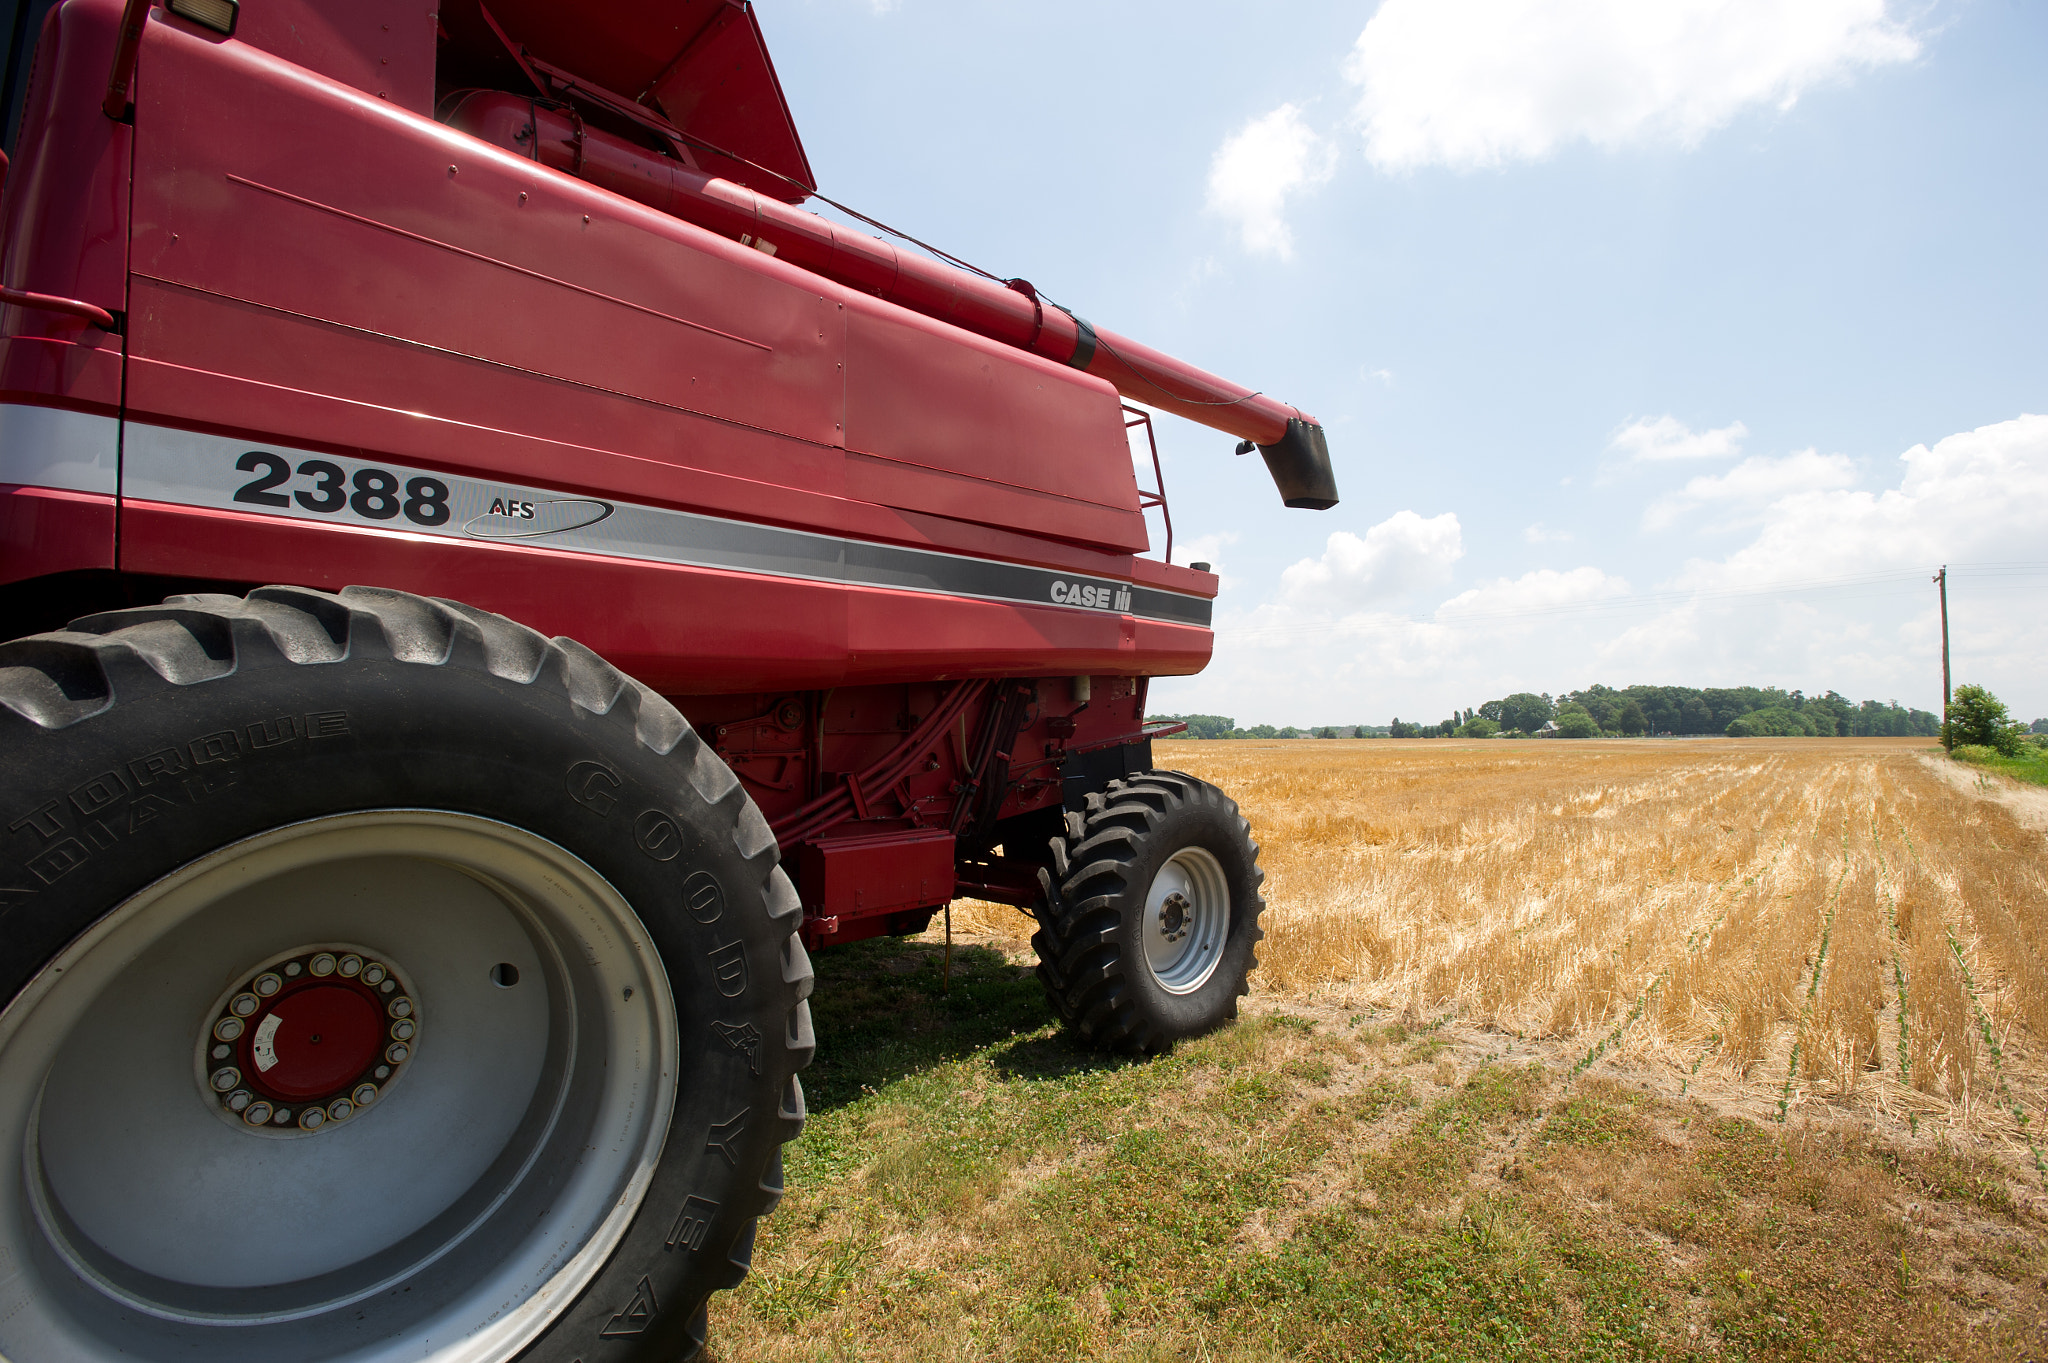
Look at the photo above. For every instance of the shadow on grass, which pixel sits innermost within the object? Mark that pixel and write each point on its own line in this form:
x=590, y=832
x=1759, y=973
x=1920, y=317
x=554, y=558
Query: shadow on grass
x=882, y=1012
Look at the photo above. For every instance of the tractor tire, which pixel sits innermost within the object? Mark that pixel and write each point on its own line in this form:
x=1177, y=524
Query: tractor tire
x=1150, y=913
x=385, y=981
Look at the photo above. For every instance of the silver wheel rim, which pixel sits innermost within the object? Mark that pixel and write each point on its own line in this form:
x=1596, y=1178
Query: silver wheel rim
x=1187, y=920
x=448, y=1222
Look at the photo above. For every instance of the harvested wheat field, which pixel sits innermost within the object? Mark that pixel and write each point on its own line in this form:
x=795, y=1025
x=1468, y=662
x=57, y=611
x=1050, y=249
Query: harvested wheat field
x=1720, y=1049
x=1790, y=922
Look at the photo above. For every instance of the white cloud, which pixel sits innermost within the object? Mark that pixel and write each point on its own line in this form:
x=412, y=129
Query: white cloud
x=1827, y=588
x=1208, y=549
x=1258, y=167
x=1978, y=496
x=1397, y=556
x=1667, y=438
x=1540, y=533
x=1755, y=483
x=1533, y=593
x=1469, y=83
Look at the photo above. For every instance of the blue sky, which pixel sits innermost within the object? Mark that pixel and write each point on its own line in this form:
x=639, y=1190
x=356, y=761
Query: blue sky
x=1658, y=340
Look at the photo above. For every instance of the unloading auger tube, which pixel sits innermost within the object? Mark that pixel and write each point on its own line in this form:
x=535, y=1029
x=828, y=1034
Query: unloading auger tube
x=1296, y=452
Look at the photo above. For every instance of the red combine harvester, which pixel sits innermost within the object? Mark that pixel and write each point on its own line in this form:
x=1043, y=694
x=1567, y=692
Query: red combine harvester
x=393, y=972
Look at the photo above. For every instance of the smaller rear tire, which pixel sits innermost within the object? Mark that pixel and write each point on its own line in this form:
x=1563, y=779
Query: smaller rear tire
x=1150, y=913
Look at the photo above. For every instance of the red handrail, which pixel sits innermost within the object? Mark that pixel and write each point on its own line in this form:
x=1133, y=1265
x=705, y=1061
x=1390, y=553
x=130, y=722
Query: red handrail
x=133, y=16
x=50, y=302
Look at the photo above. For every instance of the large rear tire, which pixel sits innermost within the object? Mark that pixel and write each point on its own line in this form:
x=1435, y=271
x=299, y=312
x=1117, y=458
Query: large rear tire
x=1150, y=913
x=385, y=981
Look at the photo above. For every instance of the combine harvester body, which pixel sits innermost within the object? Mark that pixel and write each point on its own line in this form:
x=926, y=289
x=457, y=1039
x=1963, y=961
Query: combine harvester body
x=518, y=307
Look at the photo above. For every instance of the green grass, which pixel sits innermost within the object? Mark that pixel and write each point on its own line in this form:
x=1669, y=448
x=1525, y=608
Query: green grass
x=973, y=1186
x=2031, y=765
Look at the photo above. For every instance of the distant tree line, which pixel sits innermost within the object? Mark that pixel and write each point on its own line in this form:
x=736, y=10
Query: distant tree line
x=1602, y=711
x=1223, y=726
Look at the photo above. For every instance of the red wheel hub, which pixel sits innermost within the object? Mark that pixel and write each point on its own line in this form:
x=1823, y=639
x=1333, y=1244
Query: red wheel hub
x=311, y=1041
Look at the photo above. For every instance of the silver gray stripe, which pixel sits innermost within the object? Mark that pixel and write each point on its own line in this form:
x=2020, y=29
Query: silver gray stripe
x=162, y=464
x=48, y=447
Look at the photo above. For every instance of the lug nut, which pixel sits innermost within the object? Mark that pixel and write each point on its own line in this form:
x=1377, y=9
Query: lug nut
x=312, y=1119
x=364, y=1095
x=283, y=1117
x=323, y=964
x=388, y=985
x=340, y=1110
x=227, y=1029
x=382, y=1071
x=351, y=965
x=396, y=1053
x=401, y=1030
x=400, y=1007
x=292, y=971
x=239, y=1100
x=373, y=973
x=222, y=1052
x=242, y=1005
x=257, y=1113
x=225, y=1078
x=268, y=983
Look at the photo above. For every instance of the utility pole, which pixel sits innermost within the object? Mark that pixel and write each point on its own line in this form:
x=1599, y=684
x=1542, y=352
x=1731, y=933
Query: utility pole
x=1941, y=581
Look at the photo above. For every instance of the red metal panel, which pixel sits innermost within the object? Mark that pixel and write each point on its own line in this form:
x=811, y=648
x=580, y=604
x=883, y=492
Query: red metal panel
x=864, y=874
x=46, y=530
x=965, y=497
x=384, y=48
x=922, y=394
x=387, y=282
x=249, y=369
x=790, y=484
x=357, y=228
x=65, y=210
x=682, y=630
x=83, y=373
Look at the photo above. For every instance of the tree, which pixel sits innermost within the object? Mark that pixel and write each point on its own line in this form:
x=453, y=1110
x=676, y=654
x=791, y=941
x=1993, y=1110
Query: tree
x=1976, y=716
x=1630, y=718
x=1479, y=727
x=1524, y=710
x=1776, y=721
x=1204, y=726
x=1574, y=722
x=1399, y=730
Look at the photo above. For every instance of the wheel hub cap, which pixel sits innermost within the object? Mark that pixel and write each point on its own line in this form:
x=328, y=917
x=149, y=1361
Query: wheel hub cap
x=307, y=1040
x=1187, y=920
x=1174, y=916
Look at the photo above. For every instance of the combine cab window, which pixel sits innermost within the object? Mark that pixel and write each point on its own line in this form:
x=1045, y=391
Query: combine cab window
x=24, y=19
